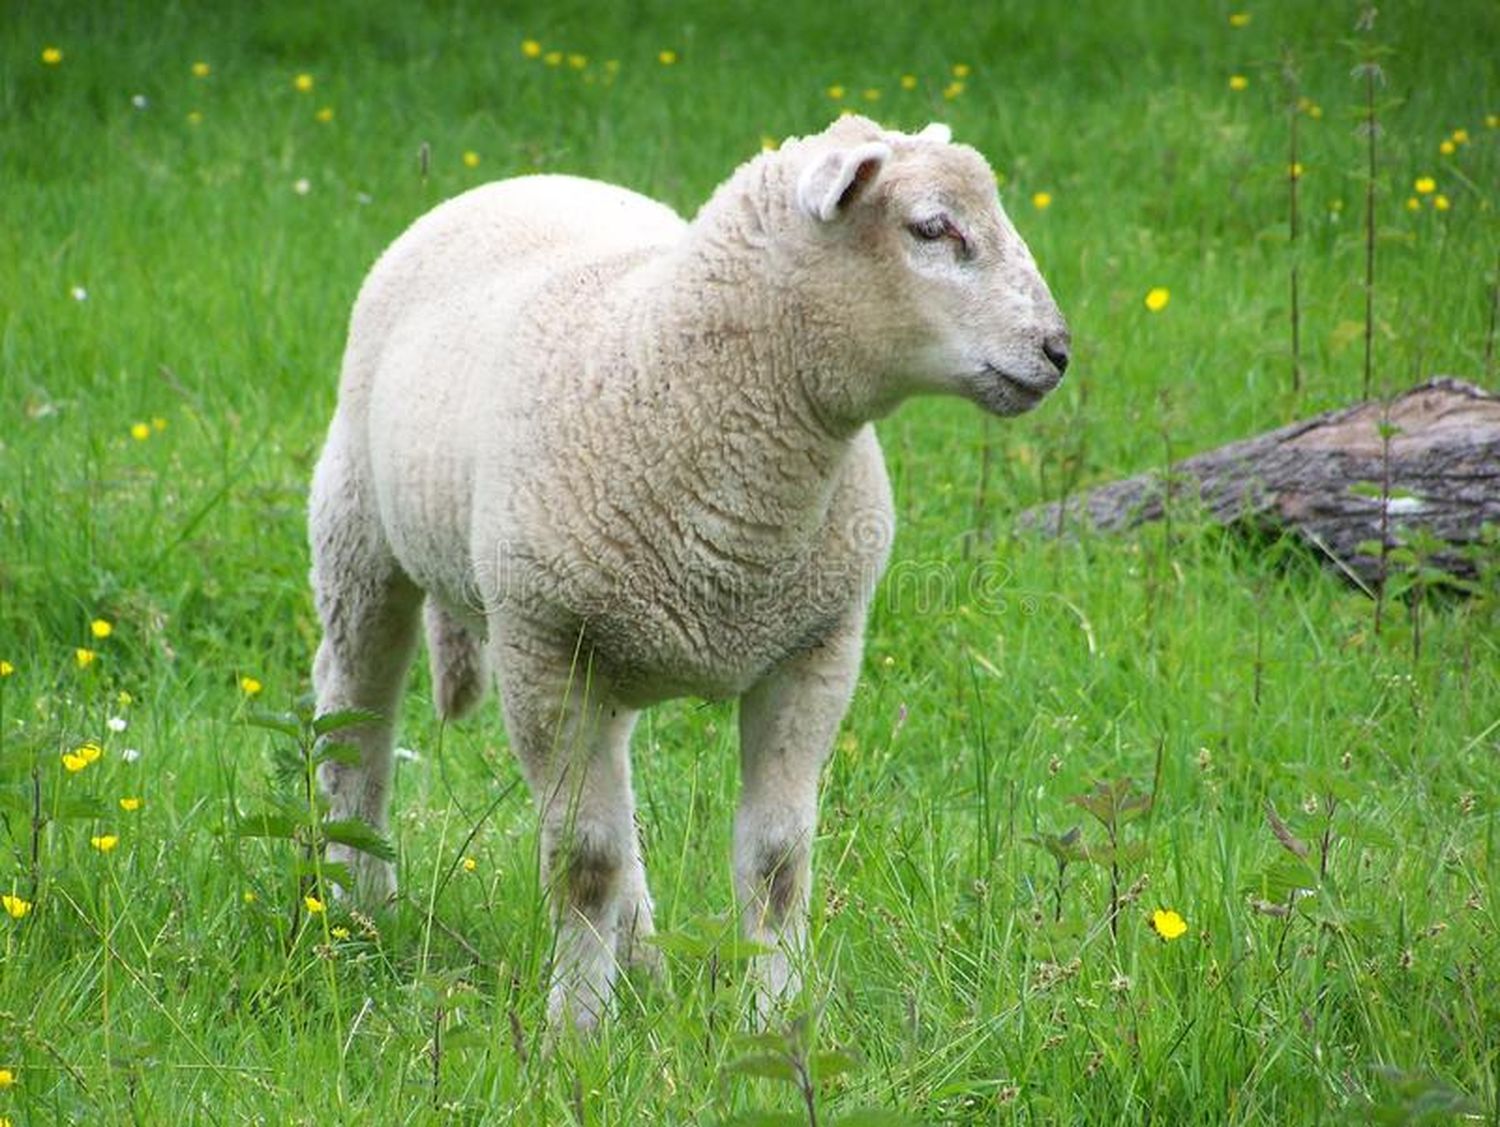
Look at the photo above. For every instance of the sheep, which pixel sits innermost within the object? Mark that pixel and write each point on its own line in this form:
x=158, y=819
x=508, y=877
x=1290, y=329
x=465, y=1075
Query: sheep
x=616, y=457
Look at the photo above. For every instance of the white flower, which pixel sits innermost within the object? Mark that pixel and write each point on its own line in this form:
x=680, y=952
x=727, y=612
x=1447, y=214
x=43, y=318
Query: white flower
x=130, y=755
x=364, y=198
x=116, y=724
x=140, y=101
x=302, y=186
x=407, y=755
x=79, y=293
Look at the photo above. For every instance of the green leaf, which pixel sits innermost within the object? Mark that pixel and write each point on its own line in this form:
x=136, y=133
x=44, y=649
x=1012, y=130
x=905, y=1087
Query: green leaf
x=335, y=751
x=826, y=1064
x=284, y=722
x=875, y=1117
x=81, y=806
x=465, y=1038
x=344, y=718
x=267, y=825
x=1283, y=877
x=768, y=1066
x=765, y=1119
x=358, y=834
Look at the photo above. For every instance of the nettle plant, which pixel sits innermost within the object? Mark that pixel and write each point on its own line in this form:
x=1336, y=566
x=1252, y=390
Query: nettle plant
x=297, y=812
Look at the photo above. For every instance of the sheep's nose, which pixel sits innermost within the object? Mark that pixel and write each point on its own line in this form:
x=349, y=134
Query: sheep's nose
x=1056, y=349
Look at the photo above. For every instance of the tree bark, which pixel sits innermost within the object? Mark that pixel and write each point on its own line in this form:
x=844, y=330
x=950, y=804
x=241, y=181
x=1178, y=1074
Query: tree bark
x=1328, y=478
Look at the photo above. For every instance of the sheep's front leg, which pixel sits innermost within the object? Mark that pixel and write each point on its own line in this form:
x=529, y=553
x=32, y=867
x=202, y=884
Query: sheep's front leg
x=573, y=741
x=788, y=721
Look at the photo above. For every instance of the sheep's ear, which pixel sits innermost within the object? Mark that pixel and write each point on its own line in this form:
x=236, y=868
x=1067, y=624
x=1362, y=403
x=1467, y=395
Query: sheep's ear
x=937, y=131
x=834, y=181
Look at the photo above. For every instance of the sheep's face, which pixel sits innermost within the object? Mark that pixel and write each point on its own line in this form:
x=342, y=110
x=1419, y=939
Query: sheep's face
x=962, y=307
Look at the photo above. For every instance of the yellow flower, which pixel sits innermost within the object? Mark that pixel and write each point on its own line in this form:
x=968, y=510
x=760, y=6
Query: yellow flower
x=202, y=70
x=131, y=805
x=953, y=90
x=1425, y=185
x=303, y=83
x=578, y=62
x=123, y=697
x=908, y=82
x=195, y=117
x=531, y=48
x=73, y=762
x=1238, y=82
x=100, y=628
x=1440, y=202
x=84, y=657
x=1157, y=298
x=1447, y=148
x=666, y=57
x=836, y=92
x=871, y=94
x=89, y=752
x=51, y=56
x=1413, y=204
x=1041, y=201
x=142, y=431
x=314, y=905
x=961, y=70
x=104, y=842
x=553, y=58
x=325, y=115
x=250, y=686
x=1294, y=170
x=1239, y=19
x=6, y=669
x=471, y=159
x=158, y=424
x=249, y=897
x=1168, y=924
x=16, y=908
x=768, y=144
x=470, y=864
x=339, y=932
x=1460, y=136
x=1492, y=121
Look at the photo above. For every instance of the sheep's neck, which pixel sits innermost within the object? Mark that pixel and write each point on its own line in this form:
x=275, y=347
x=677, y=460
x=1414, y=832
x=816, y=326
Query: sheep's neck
x=764, y=460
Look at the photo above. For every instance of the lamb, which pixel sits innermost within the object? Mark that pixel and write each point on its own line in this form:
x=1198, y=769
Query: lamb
x=616, y=457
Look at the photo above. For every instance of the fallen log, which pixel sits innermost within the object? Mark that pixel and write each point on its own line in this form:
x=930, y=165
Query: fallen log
x=1429, y=461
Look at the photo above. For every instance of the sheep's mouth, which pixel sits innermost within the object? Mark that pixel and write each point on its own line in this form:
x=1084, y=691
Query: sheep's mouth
x=1005, y=393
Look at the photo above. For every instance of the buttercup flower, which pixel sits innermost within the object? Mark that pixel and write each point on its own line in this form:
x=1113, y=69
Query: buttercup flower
x=1238, y=82
x=51, y=56
x=1413, y=204
x=250, y=686
x=6, y=669
x=577, y=61
x=1157, y=298
x=249, y=897
x=1440, y=202
x=908, y=82
x=339, y=932
x=104, y=842
x=1447, y=147
x=131, y=805
x=1294, y=170
x=471, y=159
x=961, y=70
x=1168, y=924
x=667, y=57
x=101, y=628
x=871, y=94
x=1239, y=19
x=1041, y=201
x=470, y=864
x=1425, y=185
x=325, y=115
x=15, y=907
x=84, y=657
x=202, y=70
x=836, y=92
x=73, y=762
x=314, y=905
x=531, y=48
x=953, y=90
x=553, y=58
x=303, y=83
x=140, y=431
x=1460, y=136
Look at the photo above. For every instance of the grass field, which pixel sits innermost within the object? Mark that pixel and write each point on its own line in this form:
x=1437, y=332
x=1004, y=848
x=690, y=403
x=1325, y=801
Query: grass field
x=181, y=246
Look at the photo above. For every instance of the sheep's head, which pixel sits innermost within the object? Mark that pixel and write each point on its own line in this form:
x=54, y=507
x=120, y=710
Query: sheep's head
x=913, y=229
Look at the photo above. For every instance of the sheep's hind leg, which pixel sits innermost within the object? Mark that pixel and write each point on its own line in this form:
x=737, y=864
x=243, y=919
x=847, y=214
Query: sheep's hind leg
x=369, y=610
x=788, y=721
x=573, y=744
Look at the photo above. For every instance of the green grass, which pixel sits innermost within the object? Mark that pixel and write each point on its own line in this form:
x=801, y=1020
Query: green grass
x=176, y=977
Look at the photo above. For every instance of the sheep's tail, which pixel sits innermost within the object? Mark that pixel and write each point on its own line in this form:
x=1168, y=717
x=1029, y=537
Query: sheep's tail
x=456, y=654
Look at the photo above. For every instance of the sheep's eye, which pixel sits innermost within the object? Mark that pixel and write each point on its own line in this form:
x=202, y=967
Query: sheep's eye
x=930, y=230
